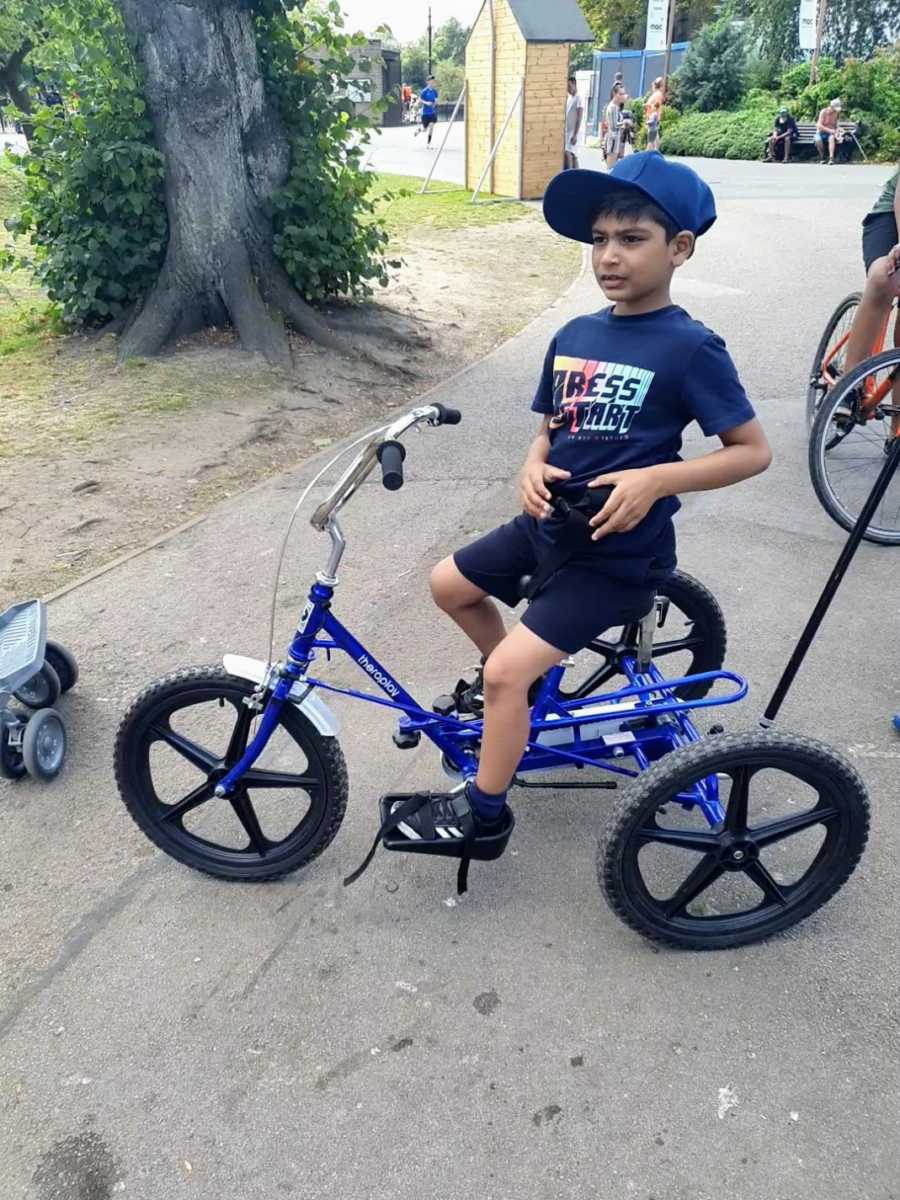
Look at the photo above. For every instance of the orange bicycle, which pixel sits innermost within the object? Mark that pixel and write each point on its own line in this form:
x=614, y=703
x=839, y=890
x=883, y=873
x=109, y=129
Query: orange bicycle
x=854, y=417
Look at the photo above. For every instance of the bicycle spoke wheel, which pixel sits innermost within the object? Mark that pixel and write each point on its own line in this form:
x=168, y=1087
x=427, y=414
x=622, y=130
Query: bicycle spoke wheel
x=849, y=441
x=690, y=639
x=828, y=364
x=794, y=823
x=179, y=739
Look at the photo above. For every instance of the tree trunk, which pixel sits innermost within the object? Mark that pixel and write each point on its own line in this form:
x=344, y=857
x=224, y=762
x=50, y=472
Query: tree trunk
x=225, y=155
x=11, y=80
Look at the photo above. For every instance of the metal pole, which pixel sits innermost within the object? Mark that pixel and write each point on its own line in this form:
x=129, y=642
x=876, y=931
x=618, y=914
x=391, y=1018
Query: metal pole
x=443, y=142
x=496, y=146
x=840, y=569
x=669, y=32
x=820, y=28
x=430, y=65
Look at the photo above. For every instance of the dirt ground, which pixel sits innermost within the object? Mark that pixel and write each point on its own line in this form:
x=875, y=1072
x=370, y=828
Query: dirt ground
x=97, y=459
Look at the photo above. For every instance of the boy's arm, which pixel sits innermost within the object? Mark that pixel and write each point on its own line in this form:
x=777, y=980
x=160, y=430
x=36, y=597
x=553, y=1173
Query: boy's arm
x=745, y=452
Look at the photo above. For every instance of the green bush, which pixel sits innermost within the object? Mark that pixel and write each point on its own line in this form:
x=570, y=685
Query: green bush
x=717, y=134
x=93, y=205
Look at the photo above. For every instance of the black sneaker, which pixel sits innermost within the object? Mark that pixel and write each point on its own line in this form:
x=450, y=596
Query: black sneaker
x=446, y=816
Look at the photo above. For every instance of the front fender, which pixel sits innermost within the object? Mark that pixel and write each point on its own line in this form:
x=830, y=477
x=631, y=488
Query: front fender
x=318, y=712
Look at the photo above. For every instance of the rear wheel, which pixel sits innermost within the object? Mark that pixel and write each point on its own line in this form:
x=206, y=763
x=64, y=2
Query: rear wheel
x=833, y=346
x=791, y=824
x=690, y=639
x=181, y=736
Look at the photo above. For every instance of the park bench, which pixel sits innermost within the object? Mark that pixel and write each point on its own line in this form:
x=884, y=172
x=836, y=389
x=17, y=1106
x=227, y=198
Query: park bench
x=806, y=139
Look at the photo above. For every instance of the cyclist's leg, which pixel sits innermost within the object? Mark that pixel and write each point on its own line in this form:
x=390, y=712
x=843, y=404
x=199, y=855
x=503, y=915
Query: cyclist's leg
x=468, y=606
x=868, y=322
x=520, y=659
x=492, y=566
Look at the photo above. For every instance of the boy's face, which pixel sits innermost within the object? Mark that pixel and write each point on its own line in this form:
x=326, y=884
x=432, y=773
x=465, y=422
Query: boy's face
x=632, y=258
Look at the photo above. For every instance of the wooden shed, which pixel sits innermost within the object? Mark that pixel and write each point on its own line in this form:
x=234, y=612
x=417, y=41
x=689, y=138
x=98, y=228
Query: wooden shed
x=517, y=61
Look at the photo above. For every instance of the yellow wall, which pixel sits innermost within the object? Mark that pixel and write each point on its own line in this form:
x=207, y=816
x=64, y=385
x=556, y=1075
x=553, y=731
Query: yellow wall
x=480, y=133
x=545, y=67
x=547, y=70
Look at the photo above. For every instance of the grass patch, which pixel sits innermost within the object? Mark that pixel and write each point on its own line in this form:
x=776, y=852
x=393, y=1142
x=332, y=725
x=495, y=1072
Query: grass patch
x=405, y=212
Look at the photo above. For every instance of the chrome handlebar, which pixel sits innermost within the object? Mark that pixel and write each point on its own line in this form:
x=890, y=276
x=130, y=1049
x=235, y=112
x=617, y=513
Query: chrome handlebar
x=364, y=463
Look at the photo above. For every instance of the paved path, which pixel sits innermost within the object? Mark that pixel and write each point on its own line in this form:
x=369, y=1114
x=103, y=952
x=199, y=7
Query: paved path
x=165, y=1035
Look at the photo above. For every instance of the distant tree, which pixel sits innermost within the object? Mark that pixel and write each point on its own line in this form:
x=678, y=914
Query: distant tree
x=449, y=77
x=449, y=43
x=414, y=64
x=626, y=20
x=712, y=73
x=853, y=28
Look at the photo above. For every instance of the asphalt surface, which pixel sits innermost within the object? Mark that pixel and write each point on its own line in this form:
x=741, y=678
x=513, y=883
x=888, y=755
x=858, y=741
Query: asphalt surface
x=165, y=1035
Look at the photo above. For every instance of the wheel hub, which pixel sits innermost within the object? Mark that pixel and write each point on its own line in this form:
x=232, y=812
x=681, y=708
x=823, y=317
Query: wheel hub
x=736, y=853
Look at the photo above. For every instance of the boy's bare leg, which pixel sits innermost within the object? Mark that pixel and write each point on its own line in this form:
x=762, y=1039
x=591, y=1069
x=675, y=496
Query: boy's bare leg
x=520, y=659
x=472, y=609
x=869, y=318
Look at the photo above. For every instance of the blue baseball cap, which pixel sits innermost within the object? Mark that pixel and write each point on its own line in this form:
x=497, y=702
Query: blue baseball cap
x=573, y=198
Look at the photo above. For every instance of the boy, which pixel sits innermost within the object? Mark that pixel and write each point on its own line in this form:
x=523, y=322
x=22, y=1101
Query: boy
x=428, y=98
x=574, y=117
x=617, y=390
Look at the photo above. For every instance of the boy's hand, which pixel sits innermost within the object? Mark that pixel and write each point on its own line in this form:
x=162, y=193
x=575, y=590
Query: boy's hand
x=635, y=492
x=533, y=481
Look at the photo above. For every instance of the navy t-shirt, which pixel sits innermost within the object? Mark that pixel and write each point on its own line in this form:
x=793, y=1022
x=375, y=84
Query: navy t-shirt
x=621, y=390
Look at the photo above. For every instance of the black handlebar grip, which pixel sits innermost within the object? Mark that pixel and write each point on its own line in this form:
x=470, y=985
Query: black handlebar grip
x=448, y=416
x=391, y=456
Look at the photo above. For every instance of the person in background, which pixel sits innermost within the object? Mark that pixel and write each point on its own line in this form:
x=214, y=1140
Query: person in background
x=574, y=117
x=782, y=136
x=653, y=112
x=617, y=127
x=617, y=86
x=428, y=98
x=406, y=97
x=827, y=130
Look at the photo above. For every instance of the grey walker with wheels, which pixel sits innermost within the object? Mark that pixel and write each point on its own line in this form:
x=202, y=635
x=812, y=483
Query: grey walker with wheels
x=35, y=672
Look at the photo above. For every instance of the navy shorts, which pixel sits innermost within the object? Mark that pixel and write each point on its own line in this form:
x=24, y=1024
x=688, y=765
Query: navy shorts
x=588, y=594
x=426, y=121
x=879, y=236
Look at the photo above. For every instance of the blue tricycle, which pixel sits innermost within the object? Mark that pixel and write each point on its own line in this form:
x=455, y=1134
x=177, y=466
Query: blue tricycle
x=714, y=841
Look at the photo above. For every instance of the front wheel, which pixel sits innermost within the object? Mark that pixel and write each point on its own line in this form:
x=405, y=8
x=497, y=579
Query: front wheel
x=850, y=438
x=181, y=736
x=793, y=822
x=828, y=364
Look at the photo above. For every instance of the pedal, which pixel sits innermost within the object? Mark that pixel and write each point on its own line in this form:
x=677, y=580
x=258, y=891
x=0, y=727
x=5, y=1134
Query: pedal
x=484, y=848
x=406, y=739
x=444, y=705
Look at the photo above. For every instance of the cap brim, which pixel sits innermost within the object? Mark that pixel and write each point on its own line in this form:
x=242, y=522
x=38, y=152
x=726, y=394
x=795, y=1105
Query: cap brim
x=573, y=199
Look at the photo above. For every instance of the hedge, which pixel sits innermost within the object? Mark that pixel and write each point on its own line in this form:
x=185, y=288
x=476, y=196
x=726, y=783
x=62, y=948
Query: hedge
x=717, y=134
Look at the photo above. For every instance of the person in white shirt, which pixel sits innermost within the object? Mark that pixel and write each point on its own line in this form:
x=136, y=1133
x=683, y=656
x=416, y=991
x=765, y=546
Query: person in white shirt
x=574, y=117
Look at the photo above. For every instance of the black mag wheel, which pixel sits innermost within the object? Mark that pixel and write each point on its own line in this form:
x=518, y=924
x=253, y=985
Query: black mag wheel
x=796, y=823
x=12, y=765
x=178, y=739
x=690, y=639
x=847, y=447
x=836, y=332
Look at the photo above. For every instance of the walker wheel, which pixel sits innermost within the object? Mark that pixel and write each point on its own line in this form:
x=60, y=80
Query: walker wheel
x=44, y=745
x=62, y=660
x=41, y=690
